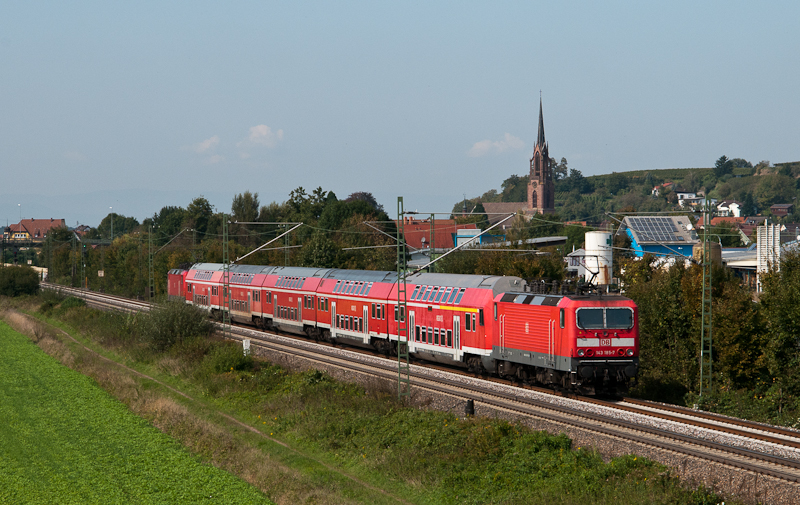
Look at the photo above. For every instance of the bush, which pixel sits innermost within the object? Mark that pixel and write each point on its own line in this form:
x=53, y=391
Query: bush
x=71, y=302
x=16, y=281
x=172, y=323
x=227, y=356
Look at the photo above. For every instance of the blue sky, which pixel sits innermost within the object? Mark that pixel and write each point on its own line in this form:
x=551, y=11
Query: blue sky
x=139, y=105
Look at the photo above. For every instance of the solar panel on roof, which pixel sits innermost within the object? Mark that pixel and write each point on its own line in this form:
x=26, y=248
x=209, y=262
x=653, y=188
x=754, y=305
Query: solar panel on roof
x=655, y=229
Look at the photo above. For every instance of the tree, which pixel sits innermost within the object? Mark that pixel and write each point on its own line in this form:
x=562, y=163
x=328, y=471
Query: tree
x=780, y=303
x=616, y=182
x=740, y=163
x=245, y=207
x=168, y=222
x=722, y=166
x=749, y=205
x=198, y=214
x=774, y=188
x=18, y=280
x=515, y=189
x=365, y=197
x=122, y=225
x=560, y=170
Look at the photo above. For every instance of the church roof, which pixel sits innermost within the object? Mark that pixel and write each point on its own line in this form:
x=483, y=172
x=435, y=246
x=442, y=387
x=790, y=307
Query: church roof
x=540, y=137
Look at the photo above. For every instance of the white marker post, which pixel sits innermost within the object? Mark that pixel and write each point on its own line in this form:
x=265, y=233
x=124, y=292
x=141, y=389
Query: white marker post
x=246, y=346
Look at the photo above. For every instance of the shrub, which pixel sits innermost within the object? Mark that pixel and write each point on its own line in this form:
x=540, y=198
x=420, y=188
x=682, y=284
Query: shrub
x=172, y=323
x=20, y=280
x=227, y=356
x=71, y=302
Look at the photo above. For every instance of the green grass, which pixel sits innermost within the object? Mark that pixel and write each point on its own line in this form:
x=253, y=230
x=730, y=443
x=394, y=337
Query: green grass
x=64, y=440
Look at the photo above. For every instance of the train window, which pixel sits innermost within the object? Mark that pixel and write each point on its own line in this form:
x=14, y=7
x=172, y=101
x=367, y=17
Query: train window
x=428, y=291
x=373, y=311
x=446, y=295
x=361, y=325
x=436, y=336
x=590, y=318
x=560, y=317
x=619, y=319
x=256, y=296
x=439, y=295
x=430, y=335
x=495, y=312
x=369, y=286
x=214, y=290
x=453, y=295
x=402, y=314
x=361, y=288
x=383, y=311
x=467, y=323
x=480, y=317
x=449, y=338
x=460, y=294
x=424, y=335
x=416, y=335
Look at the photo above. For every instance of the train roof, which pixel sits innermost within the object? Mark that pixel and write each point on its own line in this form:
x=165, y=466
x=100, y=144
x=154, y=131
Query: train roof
x=299, y=271
x=362, y=275
x=251, y=269
x=498, y=284
x=543, y=299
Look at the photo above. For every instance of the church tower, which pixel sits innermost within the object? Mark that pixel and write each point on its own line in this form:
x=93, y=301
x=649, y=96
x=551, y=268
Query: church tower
x=541, y=188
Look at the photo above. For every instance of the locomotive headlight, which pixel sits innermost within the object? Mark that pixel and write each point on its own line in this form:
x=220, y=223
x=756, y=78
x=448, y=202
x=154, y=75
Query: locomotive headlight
x=581, y=352
x=629, y=352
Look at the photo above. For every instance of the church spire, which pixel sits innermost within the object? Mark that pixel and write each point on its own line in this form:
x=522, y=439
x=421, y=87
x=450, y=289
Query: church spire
x=540, y=137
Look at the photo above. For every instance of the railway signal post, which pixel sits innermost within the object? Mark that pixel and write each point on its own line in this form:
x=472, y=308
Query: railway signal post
x=403, y=365
x=706, y=328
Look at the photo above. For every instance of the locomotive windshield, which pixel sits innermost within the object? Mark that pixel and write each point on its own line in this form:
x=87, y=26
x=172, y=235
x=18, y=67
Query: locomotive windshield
x=605, y=318
x=619, y=319
x=590, y=319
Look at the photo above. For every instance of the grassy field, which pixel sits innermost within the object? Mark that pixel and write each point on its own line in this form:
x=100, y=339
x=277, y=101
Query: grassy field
x=64, y=440
x=305, y=438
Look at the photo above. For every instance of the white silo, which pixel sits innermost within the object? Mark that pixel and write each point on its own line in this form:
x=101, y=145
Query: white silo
x=598, y=257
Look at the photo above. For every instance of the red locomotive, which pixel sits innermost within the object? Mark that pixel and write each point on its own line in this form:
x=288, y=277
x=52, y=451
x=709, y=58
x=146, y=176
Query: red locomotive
x=586, y=343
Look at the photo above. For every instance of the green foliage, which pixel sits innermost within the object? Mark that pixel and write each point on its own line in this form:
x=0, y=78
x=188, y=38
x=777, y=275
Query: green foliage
x=171, y=323
x=122, y=225
x=76, y=444
x=780, y=301
x=723, y=166
x=198, y=214
x=515, y=189
x=669, y=328
x=774, y=189
x=72, y=302
x=227, y=356
x=18, y=280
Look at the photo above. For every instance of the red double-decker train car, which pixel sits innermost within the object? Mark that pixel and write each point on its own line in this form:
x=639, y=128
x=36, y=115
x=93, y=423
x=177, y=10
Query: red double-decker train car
x=587, y=343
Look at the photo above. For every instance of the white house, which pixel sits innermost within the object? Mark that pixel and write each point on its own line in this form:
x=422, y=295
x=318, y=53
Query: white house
x=729, y=208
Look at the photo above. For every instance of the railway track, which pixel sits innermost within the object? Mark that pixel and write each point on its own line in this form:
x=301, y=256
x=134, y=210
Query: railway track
x=755, y=447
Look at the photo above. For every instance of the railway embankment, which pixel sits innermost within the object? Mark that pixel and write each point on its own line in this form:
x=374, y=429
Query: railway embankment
x=305, y=435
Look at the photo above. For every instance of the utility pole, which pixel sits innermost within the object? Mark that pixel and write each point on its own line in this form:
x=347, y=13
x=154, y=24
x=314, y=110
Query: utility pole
x=226, y=286
x=706, y=327
x=151, y=278
x=74, y=254
x=432, y=246
x=403, y=364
